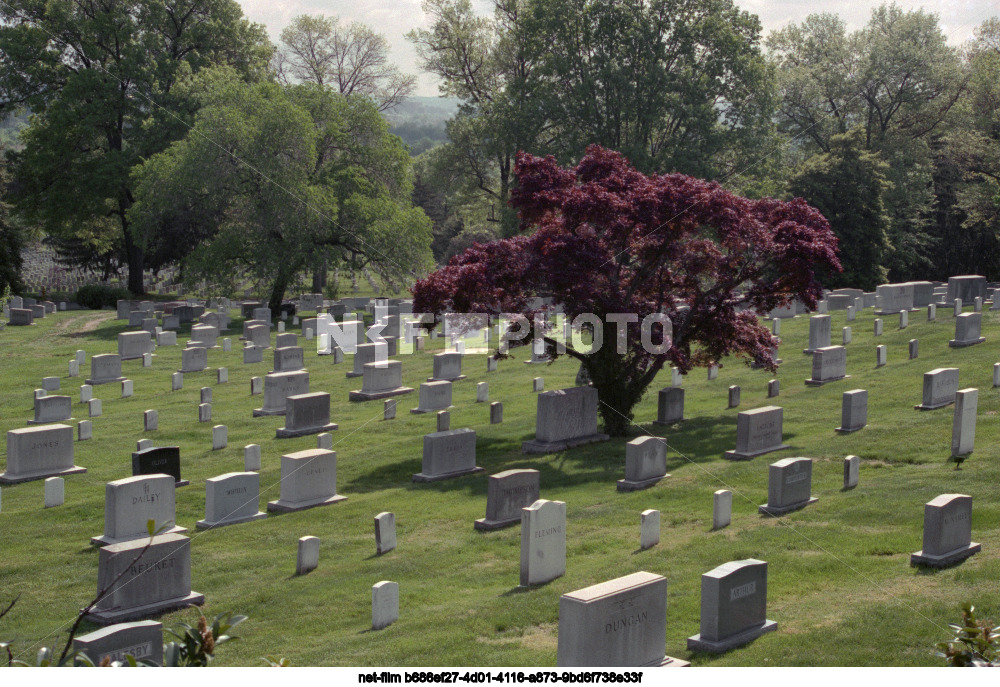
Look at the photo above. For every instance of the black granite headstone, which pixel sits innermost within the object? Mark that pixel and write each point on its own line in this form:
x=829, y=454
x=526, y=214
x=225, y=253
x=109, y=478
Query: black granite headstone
x=162, y=460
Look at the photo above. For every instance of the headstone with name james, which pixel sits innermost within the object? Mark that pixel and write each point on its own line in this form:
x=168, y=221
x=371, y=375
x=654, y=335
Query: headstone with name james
x=733, y=607
x=40, y=452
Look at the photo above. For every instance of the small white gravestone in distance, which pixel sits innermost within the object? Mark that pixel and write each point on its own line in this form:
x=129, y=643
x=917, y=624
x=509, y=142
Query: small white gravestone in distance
x=251, y=458
x=734, y=396
x=385, y=604
x=482, y=392
x=385, y=533
x=220, y=437
x=86, y=393
x=389, y=409
x=496, y=413
x=649, y=529
x=84, y=430
x=963, y=431
x=205, y=412
x=308, y=555
x=94, y=407
x=55, y=492
x=150, y=420
x=143, y=444
x=851, y=467
x=722, y=509
x=177, y=381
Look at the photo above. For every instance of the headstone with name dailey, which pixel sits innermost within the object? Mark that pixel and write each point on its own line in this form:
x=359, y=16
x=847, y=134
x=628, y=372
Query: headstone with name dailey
x=306, y=414
x=40, y=452
x=131, y=502
x=105, y=368
x=758, y=431
x=645, y=463
x=789, y=486
x=543, y=542
x=565, y=418
x=142, y=640
x=49, y=409
x=940, y=385
x=381, y=380
x=507, y=493
x=230, y=499
x=447, y=454
x=278, y=387
x=733, y=607
x=308, y=480
x=968, y=327
x=159, y=581
x=947, y=532
x=615, y=624
x=819, y=333
x=132, y=345
x=829, y=364
x=447, y=367
x=159, y=460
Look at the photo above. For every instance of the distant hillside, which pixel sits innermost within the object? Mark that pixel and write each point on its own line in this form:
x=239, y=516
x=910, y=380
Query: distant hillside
x=420, y=120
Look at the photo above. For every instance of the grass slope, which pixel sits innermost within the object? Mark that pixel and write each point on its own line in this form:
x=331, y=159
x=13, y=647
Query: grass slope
x=840, y=585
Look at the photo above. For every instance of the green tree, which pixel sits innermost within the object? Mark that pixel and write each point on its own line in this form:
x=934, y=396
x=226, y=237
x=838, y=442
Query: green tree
x=99, y=79
x=898, y=80
x=847, y=184
x=270, y=176
x=11, y=242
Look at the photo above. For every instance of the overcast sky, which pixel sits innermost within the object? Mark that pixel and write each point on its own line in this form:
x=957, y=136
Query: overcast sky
x=393, y=18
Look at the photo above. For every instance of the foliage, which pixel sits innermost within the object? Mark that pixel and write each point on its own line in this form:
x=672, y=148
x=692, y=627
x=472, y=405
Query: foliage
x=98, y=80
x=197, y=645
x=847, y=185
x=351, y=59
x=11, y=241
x=294, y=175
x=97, y=296
x=976, y=642
x=609, y=239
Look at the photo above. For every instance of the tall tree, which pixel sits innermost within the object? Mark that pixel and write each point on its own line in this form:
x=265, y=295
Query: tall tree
x=11, y=241
x=269, y=176
x=98, y=78
x=351, y=59
x=897, y=79
x=609, y=240
x=847, y=184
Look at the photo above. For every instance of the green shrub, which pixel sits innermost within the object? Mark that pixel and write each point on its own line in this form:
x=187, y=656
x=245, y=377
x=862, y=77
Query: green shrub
x=976, y=642
x=96, y=296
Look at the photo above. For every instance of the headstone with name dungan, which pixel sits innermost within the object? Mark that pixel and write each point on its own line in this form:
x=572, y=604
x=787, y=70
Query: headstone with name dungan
x=618, y=623
x=789, y=486
x=947, y=532
x=733, y=607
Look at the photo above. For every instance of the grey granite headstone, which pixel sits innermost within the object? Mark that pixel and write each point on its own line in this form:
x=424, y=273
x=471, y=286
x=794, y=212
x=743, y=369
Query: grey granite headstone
x=963, y=430
x=143, y=640
x=940, y=385
x=670, y=406
x=853, y=411
x=507, y=493
x=564, y=419
x=758, y=431
x=230, y=499
x=278, y=387
x=308, y=479
x=947, y=532
x=733, y=607
x=645, y=463
x=968, y=327
x=306, y=414
x=789, y=486
x=448, y=454
x=385, y=604
x=40, y=452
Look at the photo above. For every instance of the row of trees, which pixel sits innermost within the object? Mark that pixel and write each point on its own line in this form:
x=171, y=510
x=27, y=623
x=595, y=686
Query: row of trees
x=888, y=130
x=173, y=132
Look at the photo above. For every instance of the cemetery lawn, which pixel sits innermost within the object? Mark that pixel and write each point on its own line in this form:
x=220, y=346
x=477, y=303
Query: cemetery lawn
x=840, y=585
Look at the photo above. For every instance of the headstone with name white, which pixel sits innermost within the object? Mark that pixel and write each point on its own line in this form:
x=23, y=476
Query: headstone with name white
x=308, y=480
x=565, y=418
x=231, y=499
x=789, y=486
x=160, y=580
x=758, y=431
x=733, y=607
x=947, y=532
x=618, y=623
x=645, y=463
x=543, y=542
x=940, y=385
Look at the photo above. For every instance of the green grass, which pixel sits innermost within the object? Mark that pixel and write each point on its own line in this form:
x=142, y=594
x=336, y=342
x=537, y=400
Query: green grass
x=840, y=585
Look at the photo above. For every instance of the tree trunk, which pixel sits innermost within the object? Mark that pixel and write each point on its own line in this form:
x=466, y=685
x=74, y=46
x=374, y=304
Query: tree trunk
x=319, y=276
x=616, y=397
x=134, y=256
x=278, y=293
